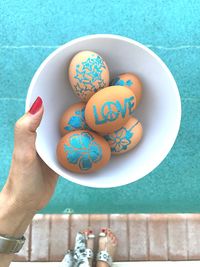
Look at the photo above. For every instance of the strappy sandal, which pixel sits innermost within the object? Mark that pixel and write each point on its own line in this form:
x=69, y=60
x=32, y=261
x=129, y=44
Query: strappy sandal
x=68, y=260
x=81, y=253
x=103, y=255
x=89, y=251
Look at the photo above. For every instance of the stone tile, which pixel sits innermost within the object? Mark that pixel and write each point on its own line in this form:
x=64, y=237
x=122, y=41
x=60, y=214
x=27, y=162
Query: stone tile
x=78, y=222
x=59, y=237
x=193, y=222
x=119, y=226
x=177, y=237
x=40, y=238
x=157, y=236
x=138, y=237
x=23, y=254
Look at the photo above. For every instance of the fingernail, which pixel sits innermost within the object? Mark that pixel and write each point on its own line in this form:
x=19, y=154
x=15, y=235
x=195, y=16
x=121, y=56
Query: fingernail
x=36, y=106
x=103, y=230
x=90, y=232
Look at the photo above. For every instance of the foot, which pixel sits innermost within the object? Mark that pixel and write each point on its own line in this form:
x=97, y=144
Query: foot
x=68, y=260
x=83, y=253
x=108, y=243
x=89, y=236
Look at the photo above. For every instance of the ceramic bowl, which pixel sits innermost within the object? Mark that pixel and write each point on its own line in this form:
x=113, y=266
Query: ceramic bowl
x=159, y=110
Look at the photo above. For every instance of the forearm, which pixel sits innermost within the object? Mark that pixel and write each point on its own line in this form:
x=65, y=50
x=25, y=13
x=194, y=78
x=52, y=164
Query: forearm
x=13, y=222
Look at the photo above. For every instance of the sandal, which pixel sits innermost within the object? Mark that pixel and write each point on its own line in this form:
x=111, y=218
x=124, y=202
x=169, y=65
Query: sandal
x=81, y=253
x=68, y=260
x=89, y=251
x=103, y=255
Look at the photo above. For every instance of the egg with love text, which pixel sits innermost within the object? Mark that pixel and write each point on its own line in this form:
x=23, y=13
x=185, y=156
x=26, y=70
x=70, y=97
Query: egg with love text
x=73, y=119
x=88, y=73
x=126, y=138
x=109, y=109
x=83, y=151
x=131, y=81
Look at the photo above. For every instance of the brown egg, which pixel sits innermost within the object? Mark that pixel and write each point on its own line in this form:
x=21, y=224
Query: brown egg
x=83, y=151
x=131, y=81
x=126, y=138
x=88, y=73
x=109, y=109
x=73, y=119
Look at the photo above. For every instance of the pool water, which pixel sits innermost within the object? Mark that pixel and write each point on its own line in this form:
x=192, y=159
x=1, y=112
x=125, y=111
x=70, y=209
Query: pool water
x=31, y=30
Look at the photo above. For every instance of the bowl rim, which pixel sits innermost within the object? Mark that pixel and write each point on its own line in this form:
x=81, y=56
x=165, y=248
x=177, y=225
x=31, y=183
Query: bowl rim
x=130, y=41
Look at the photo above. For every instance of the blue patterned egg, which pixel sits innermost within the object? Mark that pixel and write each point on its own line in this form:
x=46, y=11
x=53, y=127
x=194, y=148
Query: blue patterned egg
x=126, y=138
x=88, y=73
x=83, y=151
x=109, y=109
x=131, y=81
x=73, y=119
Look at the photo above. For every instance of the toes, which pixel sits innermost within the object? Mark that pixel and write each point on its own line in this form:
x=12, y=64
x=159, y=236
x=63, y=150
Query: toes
x=104, y=230
x=109, y=234
x=112, y=237
x=115, y=241
x=87, y=232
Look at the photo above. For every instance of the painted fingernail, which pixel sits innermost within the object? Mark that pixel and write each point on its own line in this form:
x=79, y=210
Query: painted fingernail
x=36, y=105
x=90, y=232
x=103, y=230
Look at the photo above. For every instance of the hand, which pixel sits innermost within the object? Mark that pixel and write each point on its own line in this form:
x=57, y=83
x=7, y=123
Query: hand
x=31, y=182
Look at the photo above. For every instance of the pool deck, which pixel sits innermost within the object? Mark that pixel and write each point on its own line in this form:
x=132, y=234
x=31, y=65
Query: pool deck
x=142, y=237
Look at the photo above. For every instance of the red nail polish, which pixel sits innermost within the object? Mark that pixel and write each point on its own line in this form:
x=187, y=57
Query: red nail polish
x=90, y=231
x=103, y=230
x=36, y=106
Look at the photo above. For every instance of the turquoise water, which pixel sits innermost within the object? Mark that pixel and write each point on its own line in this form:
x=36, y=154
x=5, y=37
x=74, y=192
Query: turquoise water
x=31, y=30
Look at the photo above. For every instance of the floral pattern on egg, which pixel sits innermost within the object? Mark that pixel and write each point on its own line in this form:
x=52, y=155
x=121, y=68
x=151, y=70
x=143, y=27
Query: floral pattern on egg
x=131, y=81
x=77, y=121
x=83, y=150
x=126, y=138
x=118, y=81
x=73, y=119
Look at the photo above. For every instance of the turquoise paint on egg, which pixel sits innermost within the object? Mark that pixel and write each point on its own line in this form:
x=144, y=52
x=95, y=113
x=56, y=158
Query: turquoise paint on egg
x=120, y=139
x=108, y=110
x=83, y=150
x=77, y=121
x=87, y=73
x=121, y=82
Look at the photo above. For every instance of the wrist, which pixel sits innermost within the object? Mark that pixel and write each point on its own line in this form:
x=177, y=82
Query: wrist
x=14, y=220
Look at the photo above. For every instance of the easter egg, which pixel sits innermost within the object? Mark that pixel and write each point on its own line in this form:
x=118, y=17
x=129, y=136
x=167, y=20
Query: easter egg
x=83, y=151
x=88, y=73
x=131, y=81
x=73, y=119
x=126, y=138
x=109, y=109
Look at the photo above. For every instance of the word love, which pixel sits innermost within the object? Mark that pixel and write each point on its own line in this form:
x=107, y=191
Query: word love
x=110, y=111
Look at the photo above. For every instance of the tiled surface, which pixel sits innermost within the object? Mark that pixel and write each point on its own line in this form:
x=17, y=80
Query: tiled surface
x=30, y=30
x=138, y=237
x=178, y=237
x=193, y=228
x=141, y=237
x=119, y=225
x=59, y=237
x=40, y=237
x=117, y=264
x=158, y=237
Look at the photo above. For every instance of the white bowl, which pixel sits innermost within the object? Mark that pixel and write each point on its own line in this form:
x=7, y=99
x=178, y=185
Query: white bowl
x=159, y=110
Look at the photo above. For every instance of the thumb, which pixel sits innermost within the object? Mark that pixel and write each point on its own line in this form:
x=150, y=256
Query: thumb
x=25, y=128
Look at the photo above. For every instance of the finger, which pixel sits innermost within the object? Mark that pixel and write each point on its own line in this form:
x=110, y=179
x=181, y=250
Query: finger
x=26, y=126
